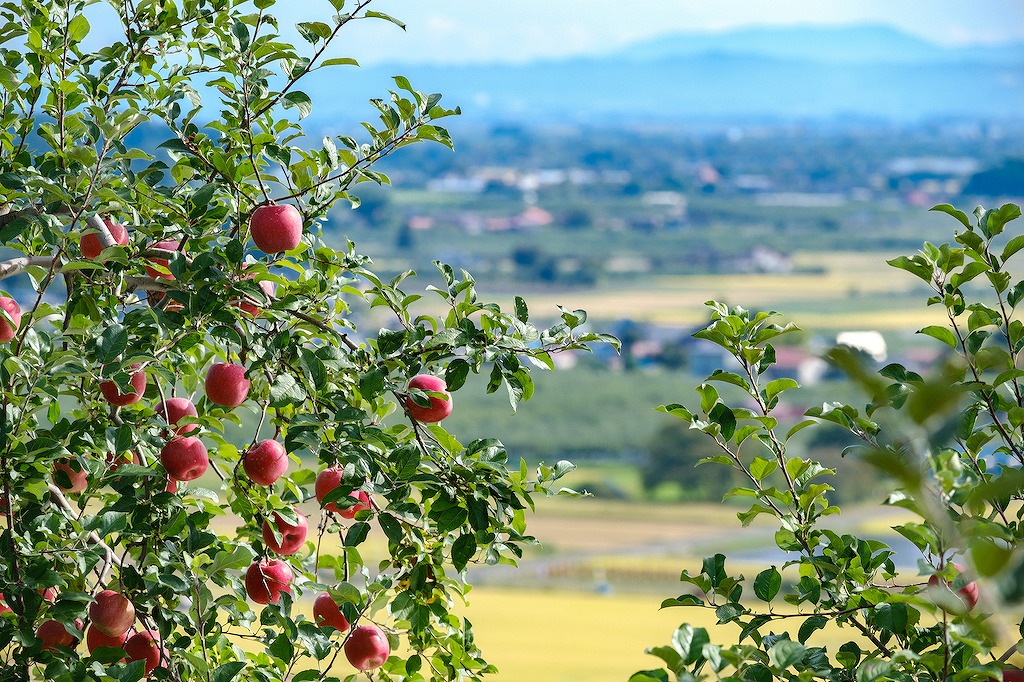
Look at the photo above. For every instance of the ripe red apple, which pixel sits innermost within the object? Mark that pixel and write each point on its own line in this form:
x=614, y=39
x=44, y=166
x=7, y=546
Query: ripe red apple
x=174, y=409
x=95, y=638
x=276, y=228
x=90, y=242
x=166, y=245
x=1011, y=675
x=185, y=458
x=79, y=478
x=55, y=634
x=329, y=479
x=265, y=581
x=266, y=462
x=226, y=384
x=172, y=485
x=142, y=646
x=326, y=612
x=367, y=647
x=292, y=537
x=966, y=595
x=11, y=307
x=250, y=305
x=112, y=613
x=113, y=394
x=439, y=407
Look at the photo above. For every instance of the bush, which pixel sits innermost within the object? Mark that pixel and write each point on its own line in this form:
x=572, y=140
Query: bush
x=952, y=446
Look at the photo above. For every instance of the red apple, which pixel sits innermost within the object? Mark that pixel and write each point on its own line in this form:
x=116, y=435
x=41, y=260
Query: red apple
x=266, y=462
x=4, y=608
x=266, y=580
x=439, y=407
x=276, y=228
x=174, y=409
x=967, y=596
x=142, y=646
x=292, y=537
x=185, y=458
x=166, y=245
x=113, y=394
x=112, y=613
x=251, y=305
x=226, y=384
x=1011, y=675
x=172, y=485
x=367, y=647
x=329, y=479
x=13, y=310
x=326, y=612
x=55, y=634
x=79, y=478
x=95, y=638
x=90, y=242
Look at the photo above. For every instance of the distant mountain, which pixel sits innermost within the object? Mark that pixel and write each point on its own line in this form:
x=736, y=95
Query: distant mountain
x=856, y=44
x=778, y=73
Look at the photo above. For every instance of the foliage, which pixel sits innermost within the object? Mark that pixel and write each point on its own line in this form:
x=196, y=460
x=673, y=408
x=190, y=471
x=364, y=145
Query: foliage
x=220, y=82
x=953, y=445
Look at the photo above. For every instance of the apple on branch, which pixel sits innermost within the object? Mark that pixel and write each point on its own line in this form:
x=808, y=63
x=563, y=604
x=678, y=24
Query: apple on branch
x=329, y=479
x=942, y=592
x=292, y=536
x=440, y=406
x=327, y=613
x=162, y=263
x=226, y=384
x=266, y=580
x=94, y=639
x=78, y=478
x=90, y=243
x=142, y=646
x=112, y=392
x=54, y=633
x=276, y=228
x=13, y=310
x=112, y=613
x=265, y=462
x=367, y=647
x=173, y=410
x=185, y=458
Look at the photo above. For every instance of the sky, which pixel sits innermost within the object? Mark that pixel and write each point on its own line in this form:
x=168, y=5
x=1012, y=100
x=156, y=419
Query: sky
x=465, y=31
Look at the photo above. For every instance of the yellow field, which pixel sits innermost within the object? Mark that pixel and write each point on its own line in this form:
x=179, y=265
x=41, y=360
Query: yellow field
x=864, y=277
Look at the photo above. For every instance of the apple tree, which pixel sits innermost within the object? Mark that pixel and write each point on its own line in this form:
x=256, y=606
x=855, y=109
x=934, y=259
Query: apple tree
x=198, y=444
x=837, y=605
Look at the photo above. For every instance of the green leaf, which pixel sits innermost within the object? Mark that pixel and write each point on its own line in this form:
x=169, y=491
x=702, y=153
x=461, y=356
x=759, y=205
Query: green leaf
x=112, y=342
x=767, y=584
x=285, y=390
x=299, y=100
x=78, y=28
x=463, y=550
x=228, y=671
x=941, y=333
x=955, y=212
x=808, y=627
x=385, y=17
x=649, y=676
x=340, y=61
x=786, y=653
x=1012, y=247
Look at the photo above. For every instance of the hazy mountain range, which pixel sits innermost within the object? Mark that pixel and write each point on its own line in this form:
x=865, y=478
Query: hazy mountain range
x=865, y=71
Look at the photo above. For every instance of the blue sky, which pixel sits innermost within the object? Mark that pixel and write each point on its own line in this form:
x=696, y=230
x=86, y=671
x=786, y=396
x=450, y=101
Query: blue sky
x=460, y=31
